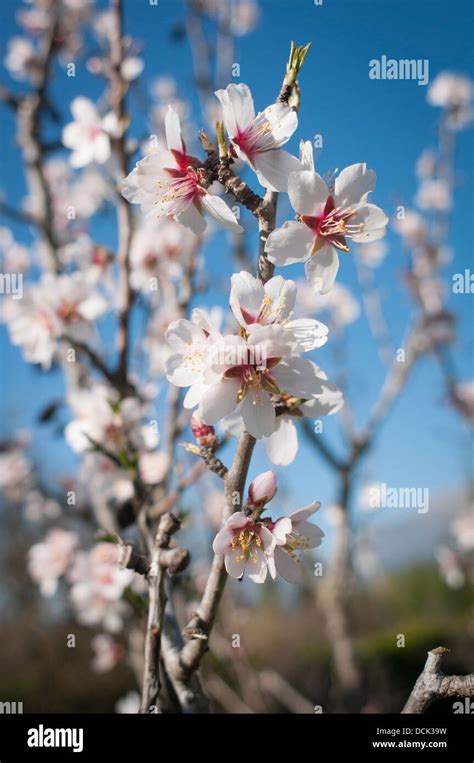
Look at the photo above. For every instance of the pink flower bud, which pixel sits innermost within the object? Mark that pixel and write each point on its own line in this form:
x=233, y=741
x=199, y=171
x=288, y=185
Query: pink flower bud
x=205, y=435
x=262, y=488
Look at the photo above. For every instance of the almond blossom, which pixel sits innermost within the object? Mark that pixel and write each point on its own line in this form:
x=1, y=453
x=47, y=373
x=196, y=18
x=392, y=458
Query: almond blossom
x=100, y=420
x=22, y=58
x=89, y=135
x=98, y=584
x=293, y=534
x=454, y=93
x=247, y=373
x=50, y=559
x=253, y=303
x=56, y=306
x=327, y=215
x=107, y=652
x=160, y=247
x=168, y=183
x=258, y=139
x=191, y=342
x=282, y=445
x=255, y=546
x=246, y=547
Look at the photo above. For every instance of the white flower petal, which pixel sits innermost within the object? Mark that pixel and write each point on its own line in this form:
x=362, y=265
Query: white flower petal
x=289, y=244
x=237, y=104
x=274, y=167
x=256, y=568
x=282, y=445
x=374, y=221
x=321, y=269
x=353, y=184
x=173, y=131
x=235, y=563
x=246, y=295
x=192, y=218
x=258, y=414
x=308, y=193
x=298, y=377
x=308, y=332
x=219, y=400
x=283, y=121
x=84, y=111
x=221, y=212
x=286, y=566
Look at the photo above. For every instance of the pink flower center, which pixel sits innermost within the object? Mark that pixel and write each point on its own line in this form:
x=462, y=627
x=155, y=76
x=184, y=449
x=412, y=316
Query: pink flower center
x=332, y=224
x=94, y=131
x=247, y=542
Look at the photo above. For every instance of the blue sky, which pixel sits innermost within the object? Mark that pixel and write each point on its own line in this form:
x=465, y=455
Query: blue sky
x=384, y=123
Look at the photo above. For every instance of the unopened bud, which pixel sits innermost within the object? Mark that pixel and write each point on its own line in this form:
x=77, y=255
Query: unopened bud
x=262, y=489
x=205, y=435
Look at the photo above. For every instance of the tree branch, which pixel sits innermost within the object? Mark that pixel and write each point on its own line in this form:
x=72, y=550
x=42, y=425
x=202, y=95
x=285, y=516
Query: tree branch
x=433, y=684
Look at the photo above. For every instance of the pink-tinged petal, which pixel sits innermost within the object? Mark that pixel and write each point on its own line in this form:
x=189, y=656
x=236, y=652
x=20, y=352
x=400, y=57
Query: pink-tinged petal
x=221, y=212
x=321, y=269
x=256, y=568
x=281, y=529
x=307, y=511
x=151, y=169
x=374, y=222
x=283, y=121
x=267, y=538
x=274, y=167
x=258, y=414
x=246, y=296
x=289, y=244
x=298, y=377
x=263, y=488
x=312, y=534
x=222, y=541
x=173, y=131
x=353, y=184
x=219, y=400
x=237, y=521
x=205, y=321
x=237, y=104
x=287, y=567
x=192, y=218
x=235, y=563
x=282, y=445
x=308, y=193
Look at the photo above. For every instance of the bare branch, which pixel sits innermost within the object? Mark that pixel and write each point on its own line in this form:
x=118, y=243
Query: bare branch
x=433, y=684
x=198, y=630
x=161, y=560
